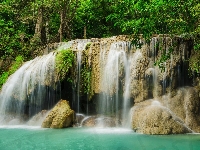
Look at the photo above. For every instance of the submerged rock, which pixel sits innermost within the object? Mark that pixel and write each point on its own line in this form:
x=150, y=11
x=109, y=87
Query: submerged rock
x=60, y=116
x=95, y=121
x=150, y=117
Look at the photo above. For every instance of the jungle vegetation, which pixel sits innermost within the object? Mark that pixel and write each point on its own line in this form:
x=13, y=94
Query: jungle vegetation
x=26, y=25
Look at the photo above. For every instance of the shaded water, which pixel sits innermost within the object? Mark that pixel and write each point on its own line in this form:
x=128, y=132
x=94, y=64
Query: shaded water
x=34, y=138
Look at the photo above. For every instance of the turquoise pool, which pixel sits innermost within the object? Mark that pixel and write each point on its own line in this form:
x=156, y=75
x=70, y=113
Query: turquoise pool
x=36, y=138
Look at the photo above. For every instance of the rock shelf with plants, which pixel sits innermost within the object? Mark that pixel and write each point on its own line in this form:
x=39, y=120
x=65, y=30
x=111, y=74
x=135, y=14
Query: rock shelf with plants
x=106, y=78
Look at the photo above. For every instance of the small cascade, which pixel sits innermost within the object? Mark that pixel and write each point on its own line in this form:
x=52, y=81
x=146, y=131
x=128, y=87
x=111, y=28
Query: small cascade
x=156, y=86
x=29, y=90
x=37, y=119
x=164, y=81
x=80, y=46
x=130, y=68
x=178, y=119
x=65, y=45
x=152, y=73
x=79, y=54
x=83, y=120
x=119, y=70
x=109, y=102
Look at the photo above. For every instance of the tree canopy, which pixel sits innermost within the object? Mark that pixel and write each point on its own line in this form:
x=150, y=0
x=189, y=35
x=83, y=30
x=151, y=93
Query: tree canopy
x=27, y=25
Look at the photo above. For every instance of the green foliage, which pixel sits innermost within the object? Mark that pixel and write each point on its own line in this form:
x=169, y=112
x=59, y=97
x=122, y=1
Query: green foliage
x=3, y=78
x=10, y=31
x=16, y=64
x=164, y=57
x=64, y=60
x=92, y=15
x=194, y=63
x=147, y=17
x=102, y=18
x=18, y=22
x=86, y=79
x=88, y=45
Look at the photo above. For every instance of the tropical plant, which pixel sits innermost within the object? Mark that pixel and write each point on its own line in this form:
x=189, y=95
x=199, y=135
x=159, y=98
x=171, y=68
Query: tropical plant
x=16, y=65
x=64, y=60
x=148, y=17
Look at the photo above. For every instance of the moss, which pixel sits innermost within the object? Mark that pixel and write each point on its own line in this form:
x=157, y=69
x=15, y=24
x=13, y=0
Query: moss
x=64, y=60
x=194, y=63
x=88, y=45
x=86, y=79
x=86, y=73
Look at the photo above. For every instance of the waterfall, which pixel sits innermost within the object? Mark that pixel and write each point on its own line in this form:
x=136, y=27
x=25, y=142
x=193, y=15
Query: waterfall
x=121, y=75
x=114, y=63
x=130, y=72
x=29, y=90
x=79, y=54
x=80, y=46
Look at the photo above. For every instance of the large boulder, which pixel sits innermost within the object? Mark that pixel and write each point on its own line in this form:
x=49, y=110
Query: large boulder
x=151, y=117
x=60, y=116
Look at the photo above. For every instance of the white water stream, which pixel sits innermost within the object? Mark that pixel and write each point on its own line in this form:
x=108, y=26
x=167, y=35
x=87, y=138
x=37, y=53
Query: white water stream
x=28, y=90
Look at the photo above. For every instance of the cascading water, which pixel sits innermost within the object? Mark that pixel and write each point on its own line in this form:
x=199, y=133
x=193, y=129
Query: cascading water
x=79, y=54
x=80, y=46
x=109, y=102
x=130, y=68
x=115, y=65
x=29, y=90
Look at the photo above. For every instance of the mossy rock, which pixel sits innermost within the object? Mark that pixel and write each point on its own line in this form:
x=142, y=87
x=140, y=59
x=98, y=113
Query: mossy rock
x=61, y=116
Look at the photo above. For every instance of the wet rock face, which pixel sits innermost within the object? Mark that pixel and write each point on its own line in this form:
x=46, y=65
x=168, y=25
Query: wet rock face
x=186, y=104
x=60, y=116
x=168, y=114
x=151, y=118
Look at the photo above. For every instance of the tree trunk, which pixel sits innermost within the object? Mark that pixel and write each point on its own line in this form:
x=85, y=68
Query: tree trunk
x=62, y=24
x=47, y=31
x=38, y=26
x=40, y=31
x=85, y=32
x=67, y=13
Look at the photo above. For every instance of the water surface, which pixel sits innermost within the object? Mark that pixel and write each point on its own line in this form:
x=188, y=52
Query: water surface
x=35, y=138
